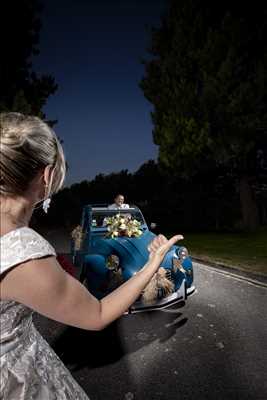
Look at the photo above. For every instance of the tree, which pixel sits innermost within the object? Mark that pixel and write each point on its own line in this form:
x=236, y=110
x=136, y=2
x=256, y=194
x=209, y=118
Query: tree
x=21, y=89
x=148, y=181
x=207, y=81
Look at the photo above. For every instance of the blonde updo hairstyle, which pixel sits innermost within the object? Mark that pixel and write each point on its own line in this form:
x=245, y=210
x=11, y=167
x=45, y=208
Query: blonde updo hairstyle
x=27, y=146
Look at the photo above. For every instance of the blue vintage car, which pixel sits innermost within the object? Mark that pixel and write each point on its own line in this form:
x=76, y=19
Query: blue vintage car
x=104, y=263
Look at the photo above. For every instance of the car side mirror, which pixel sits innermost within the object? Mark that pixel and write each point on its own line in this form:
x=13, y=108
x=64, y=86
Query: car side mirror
x=153, y=225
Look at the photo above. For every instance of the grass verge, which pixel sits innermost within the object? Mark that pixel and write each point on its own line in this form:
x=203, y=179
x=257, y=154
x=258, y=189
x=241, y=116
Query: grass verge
x=243, y=251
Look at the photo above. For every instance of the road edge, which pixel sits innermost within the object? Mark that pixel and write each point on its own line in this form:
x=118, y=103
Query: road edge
x=251, y=277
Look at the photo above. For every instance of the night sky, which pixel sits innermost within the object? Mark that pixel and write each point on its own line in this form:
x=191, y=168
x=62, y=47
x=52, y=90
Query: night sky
x=94, y=51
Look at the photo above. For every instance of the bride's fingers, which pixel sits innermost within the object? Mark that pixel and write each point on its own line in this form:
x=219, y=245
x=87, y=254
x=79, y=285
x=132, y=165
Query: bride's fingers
x=162, y=243
x=149, y=247
x=166, y=246
x=156, y=243
x=174, y=239
x=162, y=239
x=152, y=247
x=153, y=244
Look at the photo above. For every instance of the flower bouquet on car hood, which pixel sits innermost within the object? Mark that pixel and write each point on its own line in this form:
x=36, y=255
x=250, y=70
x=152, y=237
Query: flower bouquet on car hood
x=123, y=225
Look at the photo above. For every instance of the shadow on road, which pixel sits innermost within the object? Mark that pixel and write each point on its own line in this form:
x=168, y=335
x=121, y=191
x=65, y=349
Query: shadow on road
x=79, y=348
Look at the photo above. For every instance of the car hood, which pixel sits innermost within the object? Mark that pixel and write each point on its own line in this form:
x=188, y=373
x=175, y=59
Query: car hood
x=132, y=252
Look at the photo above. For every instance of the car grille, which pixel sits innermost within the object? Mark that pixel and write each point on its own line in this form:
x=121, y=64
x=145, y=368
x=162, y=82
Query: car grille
x=161, y=292
x=169, y=275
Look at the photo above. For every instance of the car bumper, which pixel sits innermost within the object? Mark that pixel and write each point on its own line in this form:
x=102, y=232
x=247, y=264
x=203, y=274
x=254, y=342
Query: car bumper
x=180, y=295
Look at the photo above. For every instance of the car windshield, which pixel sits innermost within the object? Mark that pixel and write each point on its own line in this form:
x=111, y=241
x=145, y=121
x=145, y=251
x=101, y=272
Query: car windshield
x=99, y=216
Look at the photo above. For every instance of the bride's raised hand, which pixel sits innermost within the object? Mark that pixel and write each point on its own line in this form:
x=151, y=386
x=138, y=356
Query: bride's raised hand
x=160, y=246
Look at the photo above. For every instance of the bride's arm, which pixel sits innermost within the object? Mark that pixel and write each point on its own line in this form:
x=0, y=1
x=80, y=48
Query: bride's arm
x=46, y=288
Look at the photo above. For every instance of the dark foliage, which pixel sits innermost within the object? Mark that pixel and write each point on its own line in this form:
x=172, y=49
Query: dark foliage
x=21, y=89
x=206, y=78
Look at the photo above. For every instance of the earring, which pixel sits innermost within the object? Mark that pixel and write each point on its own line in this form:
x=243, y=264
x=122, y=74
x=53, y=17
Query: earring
x=47, y=201
x=46, y=204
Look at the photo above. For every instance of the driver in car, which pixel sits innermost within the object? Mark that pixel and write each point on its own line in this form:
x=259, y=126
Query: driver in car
x=118, y=203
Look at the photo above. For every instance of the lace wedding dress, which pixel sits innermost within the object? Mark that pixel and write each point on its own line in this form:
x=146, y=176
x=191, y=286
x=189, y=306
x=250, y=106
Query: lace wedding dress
x=29, y=368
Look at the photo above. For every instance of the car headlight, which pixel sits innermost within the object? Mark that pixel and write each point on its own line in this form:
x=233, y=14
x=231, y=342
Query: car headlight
x=182, y=253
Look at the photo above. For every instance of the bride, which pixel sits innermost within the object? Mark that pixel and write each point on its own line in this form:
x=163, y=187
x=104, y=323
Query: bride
x=32, y=169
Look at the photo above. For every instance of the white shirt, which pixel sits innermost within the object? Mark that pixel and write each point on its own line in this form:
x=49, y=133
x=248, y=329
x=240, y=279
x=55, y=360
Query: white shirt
x=115, y=206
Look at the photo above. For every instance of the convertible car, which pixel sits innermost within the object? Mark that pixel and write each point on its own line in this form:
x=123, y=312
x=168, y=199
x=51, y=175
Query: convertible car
x=105, y=261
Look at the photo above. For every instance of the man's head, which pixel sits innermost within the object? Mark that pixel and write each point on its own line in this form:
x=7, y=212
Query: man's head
x=119, y=200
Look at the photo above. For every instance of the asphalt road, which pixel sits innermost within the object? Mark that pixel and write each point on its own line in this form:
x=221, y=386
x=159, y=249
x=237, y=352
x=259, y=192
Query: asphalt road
x=213, y=347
